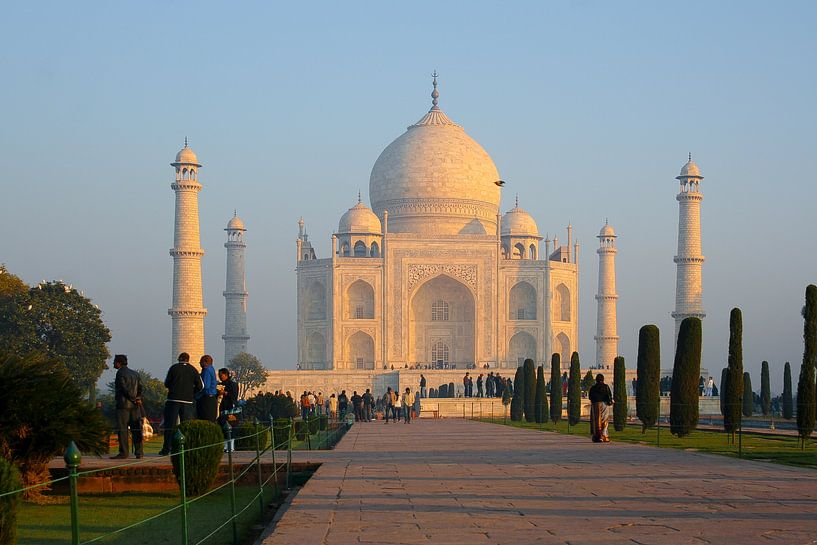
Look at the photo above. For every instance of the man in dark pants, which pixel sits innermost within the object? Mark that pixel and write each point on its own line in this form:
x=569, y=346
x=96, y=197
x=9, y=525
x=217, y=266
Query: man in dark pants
x=182, y=383
x=367, y=406
x=128, y=395
x=207, y=397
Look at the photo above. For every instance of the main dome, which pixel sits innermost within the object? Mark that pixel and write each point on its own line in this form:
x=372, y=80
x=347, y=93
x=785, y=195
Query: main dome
x=436, y=179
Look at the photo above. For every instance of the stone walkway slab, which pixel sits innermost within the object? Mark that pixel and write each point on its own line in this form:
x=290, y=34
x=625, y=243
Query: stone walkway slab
x=462, y=482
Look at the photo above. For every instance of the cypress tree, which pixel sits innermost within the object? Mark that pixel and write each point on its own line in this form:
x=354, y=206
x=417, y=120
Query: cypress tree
x=574, y=390
x=685, y=375
x=517, y=402
x=748, y=395
x=765, y=389
x=529, y=399
x=648, y=368
x=555, y=388
x=619, y=394
x=541, y=397
x=724, y=378
x=734, y=383
x=806, y=386
x=788, y=402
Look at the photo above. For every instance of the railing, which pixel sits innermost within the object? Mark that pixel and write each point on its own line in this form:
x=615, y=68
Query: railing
x=328, y=433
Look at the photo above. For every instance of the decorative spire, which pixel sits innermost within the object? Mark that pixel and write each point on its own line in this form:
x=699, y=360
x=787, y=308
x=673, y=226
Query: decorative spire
x=690, y=156
x=359, y=200
x=517, y=200
x=185, y=141
x=435, y=94
x=235, y=212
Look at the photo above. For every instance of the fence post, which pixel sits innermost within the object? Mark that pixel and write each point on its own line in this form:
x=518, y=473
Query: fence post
x=272, y=448
x=740, y=438
x=178, y=443
x=228, y=433
x=258, y=461
x=289, y=456
x=658, y=435
x=72, y=460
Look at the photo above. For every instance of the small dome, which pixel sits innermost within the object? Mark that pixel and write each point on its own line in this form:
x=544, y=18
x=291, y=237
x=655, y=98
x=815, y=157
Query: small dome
x=607, y=231
x=517, y=222
x=235, y=224
x=690, y=169
x=187, y=156
x=359, y=219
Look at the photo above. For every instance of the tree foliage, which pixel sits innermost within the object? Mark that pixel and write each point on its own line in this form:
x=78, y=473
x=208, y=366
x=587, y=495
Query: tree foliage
x=805, y=386
x=555, y=388
x=41, y=412
x=9, y=481
x=685, y=375
x=248, y=372
x=648, y=370
x=574, y=390
x=264, y=405
x=748, y=395
x=518, y=400
x=203, y=444
x=541, y=397
x=530, y=390
x=788, y=400
x=724, y=379
x=733, y=388
x=765, y=389
x=587, y=381
x=619, y=394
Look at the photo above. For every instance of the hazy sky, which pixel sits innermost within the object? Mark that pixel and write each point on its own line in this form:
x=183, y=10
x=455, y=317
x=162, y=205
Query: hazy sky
x=587, y=108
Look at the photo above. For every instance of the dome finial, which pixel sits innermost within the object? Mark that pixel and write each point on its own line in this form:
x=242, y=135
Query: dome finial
x=359, y=200
x=185, y=141
x=435, y=94
x=517, y=200
x=690, y=156
x=235, y=212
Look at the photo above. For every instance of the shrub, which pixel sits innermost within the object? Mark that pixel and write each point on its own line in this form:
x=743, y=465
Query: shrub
x=648, y=372
x=685, y=375
x=41, y=411
x=314, y=424
x=574, y=390
x=245, y=436
x=748, y=395
x=619, y=394
x=323, y=422
x=806, y=386
x=451, y=391
x=765, y=389
x=9, y=480
x=555, y=388
x=517, y=401
x=301, y=430
x=541, y=397
x=265, y=405
x=724, y=379
x=200, y=464
x=281, y=432
x=529, y=399
x=587, y=381
x=733, y=390
x=788, y=403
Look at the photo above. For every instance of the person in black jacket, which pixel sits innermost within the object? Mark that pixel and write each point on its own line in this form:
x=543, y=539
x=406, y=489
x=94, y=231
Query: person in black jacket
x=182, y=383
x=228, y=392
x=129, y=412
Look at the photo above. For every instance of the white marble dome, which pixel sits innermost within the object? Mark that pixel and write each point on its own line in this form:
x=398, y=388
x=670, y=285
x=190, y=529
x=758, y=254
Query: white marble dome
x=517, y=222
x=690, y=169
x=186, y=156
x=359, y=219
x=235, y=224
x=607, y=231
x=434, y=178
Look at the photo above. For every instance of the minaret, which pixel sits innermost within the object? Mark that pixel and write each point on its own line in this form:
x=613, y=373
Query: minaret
x=235, y=310
x=187, y=312
x=606, y=334
x=688, y=287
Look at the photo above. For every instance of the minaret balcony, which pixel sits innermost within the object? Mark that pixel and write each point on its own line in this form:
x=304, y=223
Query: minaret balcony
x=689, y=260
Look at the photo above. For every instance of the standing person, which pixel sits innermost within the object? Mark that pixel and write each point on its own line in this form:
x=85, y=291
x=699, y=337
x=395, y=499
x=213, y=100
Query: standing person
x=343, y=404
x=312, y=402
x=601, y=399
x=408, y=402
x=319, y=401
x=129, y=410
x=304, y=406
x=489, y=384
x=183, y=383
x=423, y=391
x=367, y=405
x=207, y=397
x=710, y=385
x=357, y=405
x=388, y=403
x=396, y=408
x=479, y=385
x=228, y=393
x=333, y=407
x=465, y=385
x=417, y=407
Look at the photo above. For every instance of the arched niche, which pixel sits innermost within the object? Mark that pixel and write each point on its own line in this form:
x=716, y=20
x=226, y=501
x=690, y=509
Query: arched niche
x=522, y=302
x=561, y=303
x=316, y=302
x=521, y=346
x=316, y=351
x=360, y=301
x=360, y=351
x=563, y=347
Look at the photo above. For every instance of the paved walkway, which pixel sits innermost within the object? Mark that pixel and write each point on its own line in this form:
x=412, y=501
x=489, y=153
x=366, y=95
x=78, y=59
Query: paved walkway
x=464, y=482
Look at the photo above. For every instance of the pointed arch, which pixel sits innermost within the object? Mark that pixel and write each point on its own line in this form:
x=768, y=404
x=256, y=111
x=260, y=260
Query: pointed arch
x=316, y=351
x=533, y=252
x=519, y=251
x=375, y=250
x=563, y=347
x=360, y=351
x=360, y=301
x=561, y=303
x=360, y=249
x=316, y=302
x=521, y=346
x=522, y=302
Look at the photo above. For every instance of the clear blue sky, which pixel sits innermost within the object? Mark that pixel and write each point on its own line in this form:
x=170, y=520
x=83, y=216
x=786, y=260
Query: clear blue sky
x=587, y=108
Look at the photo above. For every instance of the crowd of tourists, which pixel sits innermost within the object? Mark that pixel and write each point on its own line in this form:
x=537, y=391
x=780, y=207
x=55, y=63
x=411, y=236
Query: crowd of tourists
x=366, y=407
x=490, y=385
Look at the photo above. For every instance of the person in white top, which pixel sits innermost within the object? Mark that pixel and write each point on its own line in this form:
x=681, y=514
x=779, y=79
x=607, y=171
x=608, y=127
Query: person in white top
x=408, y=401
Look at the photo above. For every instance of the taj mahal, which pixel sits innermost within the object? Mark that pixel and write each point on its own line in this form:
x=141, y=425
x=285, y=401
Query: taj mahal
x=432, y=277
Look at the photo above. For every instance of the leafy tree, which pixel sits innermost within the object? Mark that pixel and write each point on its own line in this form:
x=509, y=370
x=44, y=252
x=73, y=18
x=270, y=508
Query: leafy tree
x=41, y=412
x=248, y=372
x=530, y=390
x=518, y=401
x=685, y=375
x=264, y=405
x=787, y=401
x=541, y=397
x=724, y=378
x=9, y=481
x=748, y=395
x=555, y=388
x=765, y=389
x=733, y=390
x=506, y=401
x=648, y=369
x=619, y=394
x=574, y=391
x=806, y=387
x=587, y=381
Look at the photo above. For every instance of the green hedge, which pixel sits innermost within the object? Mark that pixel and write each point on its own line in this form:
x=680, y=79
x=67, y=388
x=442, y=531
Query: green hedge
x=9, y=480
x=245, y=436
x=200, y=464
x=281, y=433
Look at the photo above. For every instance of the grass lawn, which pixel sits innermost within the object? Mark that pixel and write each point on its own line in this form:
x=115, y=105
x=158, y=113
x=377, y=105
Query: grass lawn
x=102, y=514
x=781, y=449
